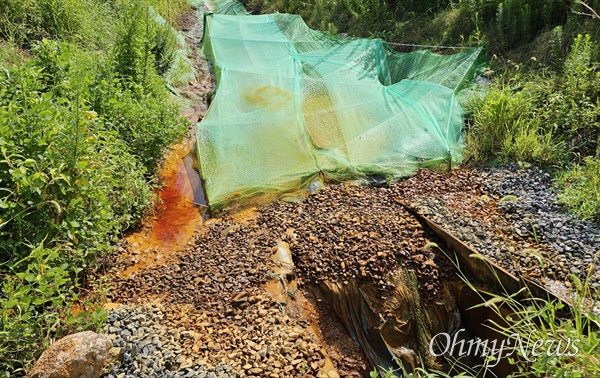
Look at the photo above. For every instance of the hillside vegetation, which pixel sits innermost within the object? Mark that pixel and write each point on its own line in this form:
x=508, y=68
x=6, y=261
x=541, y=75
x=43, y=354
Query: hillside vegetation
x=85, y=118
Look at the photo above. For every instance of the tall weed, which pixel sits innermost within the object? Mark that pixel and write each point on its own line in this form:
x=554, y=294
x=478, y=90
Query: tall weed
x=86, y=21
x=503, y=128
x=546, y=339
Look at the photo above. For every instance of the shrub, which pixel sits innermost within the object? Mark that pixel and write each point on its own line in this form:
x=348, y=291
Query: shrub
x=142, y=114
x=145, y=44
x=61, y=170
x=79, y=145
x=36, y=307
x=145, y=118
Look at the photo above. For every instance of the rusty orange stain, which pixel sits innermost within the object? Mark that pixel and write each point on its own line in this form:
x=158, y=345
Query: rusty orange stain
x=245, y=215
x=177, y=215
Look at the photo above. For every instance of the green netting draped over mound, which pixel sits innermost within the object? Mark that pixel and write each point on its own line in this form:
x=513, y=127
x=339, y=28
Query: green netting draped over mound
x=292, y=102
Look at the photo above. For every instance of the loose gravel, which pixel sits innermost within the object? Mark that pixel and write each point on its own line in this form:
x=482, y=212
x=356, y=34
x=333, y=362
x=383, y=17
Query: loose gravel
x=216, y=320
x=510, y=215
x=535, y=213
x=144, y=347
x=213, y=295
x=349, y=232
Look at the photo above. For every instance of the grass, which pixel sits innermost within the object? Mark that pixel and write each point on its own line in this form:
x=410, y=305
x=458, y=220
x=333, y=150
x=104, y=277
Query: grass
x=581, y=189
x=503, y=127
x=545, y=341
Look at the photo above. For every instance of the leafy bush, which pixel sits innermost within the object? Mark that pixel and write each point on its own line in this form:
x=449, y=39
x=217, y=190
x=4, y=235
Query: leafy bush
x=61, y=168
x=36, y=307
x=580, y=189
x=145, y=118
x=141, y=113
x=80, y=140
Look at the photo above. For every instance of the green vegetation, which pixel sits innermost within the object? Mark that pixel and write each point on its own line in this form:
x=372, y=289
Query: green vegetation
x=500, y=24
x=85, y=118
x=582, y=189
x=545, y=338
x=542, y=117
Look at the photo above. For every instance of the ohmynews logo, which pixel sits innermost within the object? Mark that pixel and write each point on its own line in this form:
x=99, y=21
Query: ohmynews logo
x=492, y=351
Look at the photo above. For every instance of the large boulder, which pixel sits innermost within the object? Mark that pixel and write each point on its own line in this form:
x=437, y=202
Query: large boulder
x=80, y=355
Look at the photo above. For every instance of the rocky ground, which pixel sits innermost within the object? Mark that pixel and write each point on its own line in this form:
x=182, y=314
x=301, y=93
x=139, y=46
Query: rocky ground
x=218, y=282
x=348, y=232
x=213, y=317
x=508, y=214
x=575, y=243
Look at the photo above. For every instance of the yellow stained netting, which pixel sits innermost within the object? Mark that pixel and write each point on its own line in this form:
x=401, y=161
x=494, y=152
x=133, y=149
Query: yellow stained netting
x=292, y=102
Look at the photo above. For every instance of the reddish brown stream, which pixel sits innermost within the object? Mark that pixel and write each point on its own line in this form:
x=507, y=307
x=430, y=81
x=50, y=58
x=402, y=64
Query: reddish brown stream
x=181, y=204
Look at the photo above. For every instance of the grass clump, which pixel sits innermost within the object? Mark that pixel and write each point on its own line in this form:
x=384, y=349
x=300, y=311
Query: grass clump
x=503, y=128
x=546, y=338
x=542, y=117
x=581, y=189
x=551, y=119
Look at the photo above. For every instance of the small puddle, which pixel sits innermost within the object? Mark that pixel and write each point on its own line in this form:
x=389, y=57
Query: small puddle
x=178, y=214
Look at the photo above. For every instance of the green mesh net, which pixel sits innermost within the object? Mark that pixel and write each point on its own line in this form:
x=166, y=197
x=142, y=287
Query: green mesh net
x=293, y=103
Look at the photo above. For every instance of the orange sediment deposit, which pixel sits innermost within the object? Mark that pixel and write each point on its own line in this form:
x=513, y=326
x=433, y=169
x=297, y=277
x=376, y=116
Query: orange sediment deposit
x=245, y=215
x=177, y=216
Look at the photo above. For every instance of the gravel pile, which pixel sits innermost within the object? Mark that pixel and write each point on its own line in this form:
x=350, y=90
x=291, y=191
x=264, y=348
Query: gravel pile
x=143, y=347
x=348, y=232
x=509, y=215
x=216, y=320
x=215, y=305
x=225, y=260
x=576, y=243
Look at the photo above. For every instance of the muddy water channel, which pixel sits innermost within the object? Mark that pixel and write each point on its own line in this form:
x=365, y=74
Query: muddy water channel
x=179, y=212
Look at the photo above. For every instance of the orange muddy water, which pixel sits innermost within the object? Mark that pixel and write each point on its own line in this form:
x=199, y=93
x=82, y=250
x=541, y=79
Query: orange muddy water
x=179, y=213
